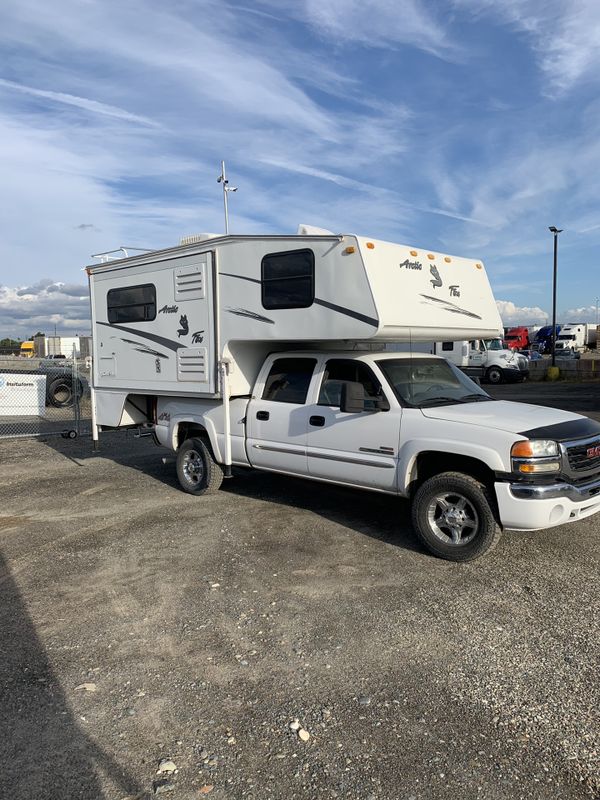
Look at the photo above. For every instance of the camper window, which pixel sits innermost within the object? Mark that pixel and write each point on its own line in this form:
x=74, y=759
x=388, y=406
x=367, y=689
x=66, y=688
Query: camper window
x=289, y=380
x=447, y=346
x=132, y=303
x=288, y=279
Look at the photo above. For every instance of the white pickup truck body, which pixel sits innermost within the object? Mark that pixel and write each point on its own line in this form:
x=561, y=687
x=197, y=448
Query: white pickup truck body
x=268, y=352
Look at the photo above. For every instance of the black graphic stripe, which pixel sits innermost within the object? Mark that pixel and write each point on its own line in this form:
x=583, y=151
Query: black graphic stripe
x=244, y=312
x=452, y=307
x=170, y=345
x=241, y=277
x=142, y=348
x=348, y=312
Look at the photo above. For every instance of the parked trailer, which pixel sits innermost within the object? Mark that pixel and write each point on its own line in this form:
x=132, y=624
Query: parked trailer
x=267, y=352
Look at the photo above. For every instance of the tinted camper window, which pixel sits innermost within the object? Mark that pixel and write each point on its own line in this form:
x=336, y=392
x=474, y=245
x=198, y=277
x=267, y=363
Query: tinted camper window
x=288, y=279
x=132, y=304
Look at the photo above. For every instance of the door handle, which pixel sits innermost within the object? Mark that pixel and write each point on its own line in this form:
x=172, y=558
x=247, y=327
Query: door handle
x=317, y=421
x=263, y=415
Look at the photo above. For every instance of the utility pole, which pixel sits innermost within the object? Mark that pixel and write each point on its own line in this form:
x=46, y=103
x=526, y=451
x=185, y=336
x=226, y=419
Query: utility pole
x=222, y=179
x=554, y=231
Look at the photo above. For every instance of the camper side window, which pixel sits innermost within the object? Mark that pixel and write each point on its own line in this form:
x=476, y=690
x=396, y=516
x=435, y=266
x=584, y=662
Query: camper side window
x=132, y=303
x=289, y=379
x=288, y=279
x=447, y=346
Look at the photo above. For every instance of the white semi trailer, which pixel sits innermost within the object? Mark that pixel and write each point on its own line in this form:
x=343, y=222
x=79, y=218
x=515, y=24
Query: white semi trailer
x=268, y=352
x=575, y=337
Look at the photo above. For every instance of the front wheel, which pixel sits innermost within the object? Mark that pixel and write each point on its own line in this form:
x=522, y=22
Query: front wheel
x=494, y=375
x=453, y=517
x=197, y=470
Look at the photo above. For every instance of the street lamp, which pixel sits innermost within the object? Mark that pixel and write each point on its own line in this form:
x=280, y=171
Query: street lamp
x=554, y=231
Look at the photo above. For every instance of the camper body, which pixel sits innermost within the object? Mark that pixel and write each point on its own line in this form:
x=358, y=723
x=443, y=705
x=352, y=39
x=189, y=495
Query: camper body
x=268, y=352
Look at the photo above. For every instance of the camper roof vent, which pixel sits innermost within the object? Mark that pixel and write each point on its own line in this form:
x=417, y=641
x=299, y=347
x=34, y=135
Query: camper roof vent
x=311, y=230
x=199, y=237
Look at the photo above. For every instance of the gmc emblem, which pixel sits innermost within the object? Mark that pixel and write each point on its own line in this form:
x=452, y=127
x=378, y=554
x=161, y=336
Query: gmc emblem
x=593, y=452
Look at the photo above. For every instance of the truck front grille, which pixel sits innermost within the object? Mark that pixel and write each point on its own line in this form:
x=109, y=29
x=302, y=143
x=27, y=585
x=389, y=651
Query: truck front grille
x=579, y=458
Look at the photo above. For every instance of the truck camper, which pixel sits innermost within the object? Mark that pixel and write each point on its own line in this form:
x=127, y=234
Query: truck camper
x=269, y=352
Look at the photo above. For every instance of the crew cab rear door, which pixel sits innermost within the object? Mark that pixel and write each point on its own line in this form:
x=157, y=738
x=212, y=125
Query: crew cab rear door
x=277, y=416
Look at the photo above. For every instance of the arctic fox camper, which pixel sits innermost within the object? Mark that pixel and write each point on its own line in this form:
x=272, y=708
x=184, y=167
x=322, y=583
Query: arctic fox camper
x=268, y=352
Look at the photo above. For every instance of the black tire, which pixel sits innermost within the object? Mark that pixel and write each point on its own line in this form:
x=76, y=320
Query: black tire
x=471, y=529
x=197, y=470
x=494, y=375
x=60, y=393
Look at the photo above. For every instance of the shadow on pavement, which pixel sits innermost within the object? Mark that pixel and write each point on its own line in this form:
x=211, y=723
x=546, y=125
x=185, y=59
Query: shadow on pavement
x=382, y=517
x=45, y=754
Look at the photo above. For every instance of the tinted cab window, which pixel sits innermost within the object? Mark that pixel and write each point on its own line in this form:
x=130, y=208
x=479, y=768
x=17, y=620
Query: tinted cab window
x=340, y=371
x=289, y=379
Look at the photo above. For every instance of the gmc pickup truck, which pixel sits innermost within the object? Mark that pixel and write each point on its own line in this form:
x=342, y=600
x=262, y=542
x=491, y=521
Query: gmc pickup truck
x=409, y=425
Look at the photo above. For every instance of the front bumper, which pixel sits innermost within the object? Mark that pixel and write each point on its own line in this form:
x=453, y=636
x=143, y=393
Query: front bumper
x=528, y=508
x=513, y=375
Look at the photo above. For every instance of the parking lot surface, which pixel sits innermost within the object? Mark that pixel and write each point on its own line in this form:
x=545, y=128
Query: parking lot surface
x=141, y=624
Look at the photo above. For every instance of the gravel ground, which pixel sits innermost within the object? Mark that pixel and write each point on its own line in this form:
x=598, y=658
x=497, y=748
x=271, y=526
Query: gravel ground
x=140, y=624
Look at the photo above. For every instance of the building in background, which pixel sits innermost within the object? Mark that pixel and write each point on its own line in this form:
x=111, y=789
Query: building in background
x=67, y=346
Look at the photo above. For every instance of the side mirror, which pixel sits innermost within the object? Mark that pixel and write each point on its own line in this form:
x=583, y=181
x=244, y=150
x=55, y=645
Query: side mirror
x=352, y=399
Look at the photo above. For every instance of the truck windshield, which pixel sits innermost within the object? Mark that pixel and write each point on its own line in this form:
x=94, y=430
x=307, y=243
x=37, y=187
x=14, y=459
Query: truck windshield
x=494, y=344
x=567, y=338
x=420, y=382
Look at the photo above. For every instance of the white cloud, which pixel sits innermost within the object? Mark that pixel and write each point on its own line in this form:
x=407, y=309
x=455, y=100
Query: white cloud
x=44, y=306
x=379, y=23
x=582, y=314
x=512, y=314
x=564, y=35
x=79, y=102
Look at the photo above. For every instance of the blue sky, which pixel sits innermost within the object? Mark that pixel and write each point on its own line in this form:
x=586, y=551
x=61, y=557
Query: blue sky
x=466, y=126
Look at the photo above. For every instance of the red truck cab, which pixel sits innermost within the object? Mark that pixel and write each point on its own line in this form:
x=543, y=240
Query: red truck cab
x=517, y=338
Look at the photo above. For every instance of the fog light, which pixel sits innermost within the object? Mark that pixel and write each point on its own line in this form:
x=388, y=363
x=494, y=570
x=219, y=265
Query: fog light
x=546, y=466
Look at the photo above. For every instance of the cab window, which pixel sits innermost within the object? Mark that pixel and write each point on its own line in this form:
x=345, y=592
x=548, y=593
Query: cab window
x=340, y=371
x=289, y=379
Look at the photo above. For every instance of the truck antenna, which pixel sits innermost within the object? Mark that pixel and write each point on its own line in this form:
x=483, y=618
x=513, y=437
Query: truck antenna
x=226, y=189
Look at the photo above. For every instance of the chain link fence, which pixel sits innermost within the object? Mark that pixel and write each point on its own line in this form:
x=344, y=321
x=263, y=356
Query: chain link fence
x=44, y=397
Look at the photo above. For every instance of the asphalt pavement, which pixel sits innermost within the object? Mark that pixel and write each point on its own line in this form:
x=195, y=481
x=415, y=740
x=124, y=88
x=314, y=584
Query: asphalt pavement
x=282, y=638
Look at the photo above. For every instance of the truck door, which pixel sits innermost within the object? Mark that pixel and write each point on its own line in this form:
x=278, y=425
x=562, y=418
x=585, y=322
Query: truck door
x=277, y=417
x=356, y=448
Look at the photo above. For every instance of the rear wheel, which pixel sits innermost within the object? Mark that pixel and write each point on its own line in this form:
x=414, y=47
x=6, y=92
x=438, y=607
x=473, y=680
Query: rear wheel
x=454, y=518
x=197, y=470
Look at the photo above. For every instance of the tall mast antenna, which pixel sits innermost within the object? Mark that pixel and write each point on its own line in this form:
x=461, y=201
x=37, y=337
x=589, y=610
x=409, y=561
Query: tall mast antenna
x=222, y=179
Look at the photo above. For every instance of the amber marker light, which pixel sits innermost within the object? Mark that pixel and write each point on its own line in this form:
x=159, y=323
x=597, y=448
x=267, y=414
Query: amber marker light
x=414, y=252
x=350, y=250
x=370, y=245
x=478, y=266
x=447, y=259
x=430, y=256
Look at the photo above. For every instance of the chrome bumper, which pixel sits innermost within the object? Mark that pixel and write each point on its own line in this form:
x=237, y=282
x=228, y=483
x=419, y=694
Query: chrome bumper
x=524, y=491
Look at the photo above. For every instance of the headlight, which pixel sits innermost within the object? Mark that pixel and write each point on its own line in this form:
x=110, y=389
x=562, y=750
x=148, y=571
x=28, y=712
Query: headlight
x=535, y=456
x=534, y=448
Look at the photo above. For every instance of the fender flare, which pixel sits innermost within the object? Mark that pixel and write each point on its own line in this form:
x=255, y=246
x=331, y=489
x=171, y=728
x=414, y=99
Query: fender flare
x=410, y=450
x=194, y=419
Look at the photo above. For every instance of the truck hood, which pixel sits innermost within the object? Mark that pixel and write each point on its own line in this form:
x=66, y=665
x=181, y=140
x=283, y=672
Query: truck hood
x=513, y=417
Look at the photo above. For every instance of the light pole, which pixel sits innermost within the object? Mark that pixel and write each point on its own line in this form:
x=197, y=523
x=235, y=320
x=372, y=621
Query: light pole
x=597, y=299
x=226, y=189
x=554, y=231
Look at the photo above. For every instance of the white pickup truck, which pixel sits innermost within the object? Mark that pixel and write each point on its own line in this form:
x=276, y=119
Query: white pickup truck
x=402, y=424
